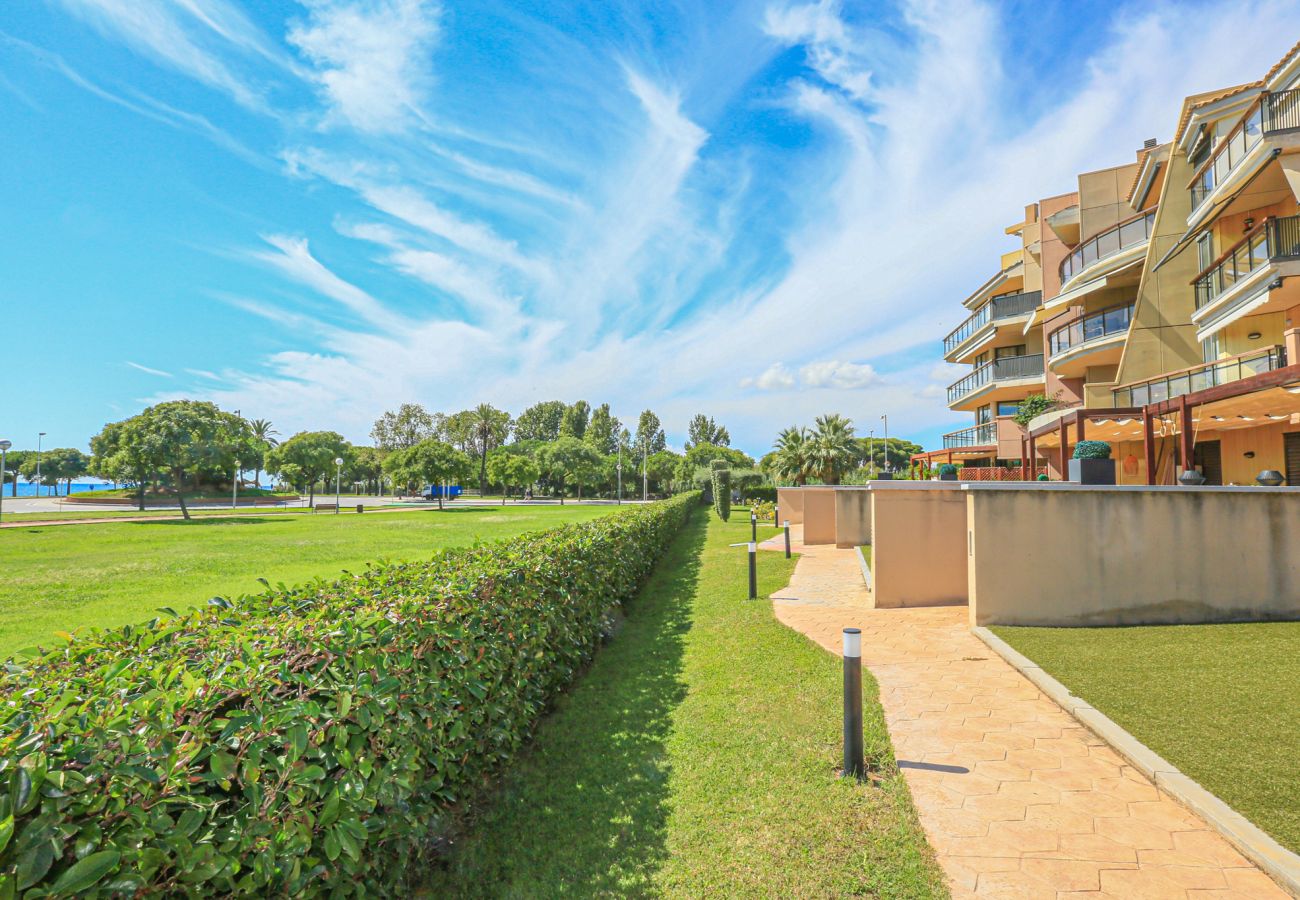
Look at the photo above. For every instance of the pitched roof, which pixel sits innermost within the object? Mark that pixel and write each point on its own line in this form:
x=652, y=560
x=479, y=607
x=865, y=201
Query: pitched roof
x=1195, y=101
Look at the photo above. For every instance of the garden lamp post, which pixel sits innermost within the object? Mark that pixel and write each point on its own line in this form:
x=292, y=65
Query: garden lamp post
x=338, y=478
x=39, y=437
x=234, y=491
x=620, y=471
x=885, y=419
x=645, y=475
x=871, y=452
x=4, y=448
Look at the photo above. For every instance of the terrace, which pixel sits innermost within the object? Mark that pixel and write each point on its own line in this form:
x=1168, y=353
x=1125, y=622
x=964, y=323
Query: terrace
x=1092, y=339
x=1010, y=371
x=1199, y=378
x=986, y=321
x=1242, y=151
x=1240, y=281
x=1107, y=251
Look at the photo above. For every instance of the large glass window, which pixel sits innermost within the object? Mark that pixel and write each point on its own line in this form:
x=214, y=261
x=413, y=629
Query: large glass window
x=1008, y=407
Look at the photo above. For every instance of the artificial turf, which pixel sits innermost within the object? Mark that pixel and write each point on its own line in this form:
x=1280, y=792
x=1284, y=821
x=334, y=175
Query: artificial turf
x=1217, y=701
x=61, y=577
x=697, y=758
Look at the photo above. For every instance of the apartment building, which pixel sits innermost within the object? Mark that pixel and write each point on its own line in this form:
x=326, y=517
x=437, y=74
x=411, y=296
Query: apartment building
x=1171, y=320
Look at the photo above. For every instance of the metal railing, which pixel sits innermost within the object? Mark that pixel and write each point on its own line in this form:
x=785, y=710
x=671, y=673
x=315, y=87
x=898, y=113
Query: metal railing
x=976, y=436
x=1209, y=375
x=1005, y=369
x=998, y=473
x=1272, y=112
x=1269, y=240
x=1004, y=307
x=1126, y=234
x=1094, y=326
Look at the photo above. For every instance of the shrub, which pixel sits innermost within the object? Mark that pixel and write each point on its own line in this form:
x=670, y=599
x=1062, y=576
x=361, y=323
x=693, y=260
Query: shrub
x=722, y=493
x=1092, y=450
x=1034, y=406
x=760, y=493
x=306, y=740
x=1042, y=476
x=717, y=465
x=764, y=510
x=947, y=469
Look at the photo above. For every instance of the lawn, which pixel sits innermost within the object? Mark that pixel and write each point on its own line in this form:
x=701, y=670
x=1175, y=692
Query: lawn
x=697, y=757
x=60, y=577
x=1217, y=701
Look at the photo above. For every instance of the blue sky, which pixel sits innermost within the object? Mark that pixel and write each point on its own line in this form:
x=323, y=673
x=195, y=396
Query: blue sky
x=312, y=212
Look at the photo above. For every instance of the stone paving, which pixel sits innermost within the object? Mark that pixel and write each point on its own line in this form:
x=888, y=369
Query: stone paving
x=1017, y=799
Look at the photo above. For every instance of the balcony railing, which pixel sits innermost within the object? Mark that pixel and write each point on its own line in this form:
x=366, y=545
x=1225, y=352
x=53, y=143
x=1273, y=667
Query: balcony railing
x=1004, y=307
x=977, y=436
x=1092, y=327
x=1008, y=368
x=1271, y=239
x=1128, y=233
x=1272, y=112
x=1209, y=375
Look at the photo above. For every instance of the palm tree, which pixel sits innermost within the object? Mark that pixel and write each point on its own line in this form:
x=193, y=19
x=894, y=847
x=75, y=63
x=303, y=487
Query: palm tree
x=262, y=434
x=834, y=451
x=792, y=461
x=489, y=427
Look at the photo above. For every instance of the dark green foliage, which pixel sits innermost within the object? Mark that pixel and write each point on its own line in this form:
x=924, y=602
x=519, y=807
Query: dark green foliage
x=1092, y=450
x=947, y=469
x=718, y=465
x=1034, y=406
x=722, y=492
x=308, y=740
x=1042, y=476
x=761, y=493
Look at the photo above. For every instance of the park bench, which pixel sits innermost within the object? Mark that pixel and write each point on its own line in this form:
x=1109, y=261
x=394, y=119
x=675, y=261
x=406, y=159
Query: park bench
x=327, y=507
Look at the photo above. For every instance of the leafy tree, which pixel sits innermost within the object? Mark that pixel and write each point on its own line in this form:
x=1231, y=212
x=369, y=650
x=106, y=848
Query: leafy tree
x=661, y=468
x=489, y=428
x=649, y=434
x=60, y=464
x=511, y=469
x=874, y=454
x=574, y=423
x=456, y=429
x=429, y=462
x=182, y=441
x=703, y=430
x=791, y=460
x=308, y=457
x=603, y=430
x=404, y=427
x=367, y=465
x=1034, y=406
x=263, y=441
x=540, y=422
x=833, y=451
x=13, y=463
x=564, y=460
x=703, y=454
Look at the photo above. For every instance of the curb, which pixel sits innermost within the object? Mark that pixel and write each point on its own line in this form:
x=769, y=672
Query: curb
x=862, y=564
x=1279, y=863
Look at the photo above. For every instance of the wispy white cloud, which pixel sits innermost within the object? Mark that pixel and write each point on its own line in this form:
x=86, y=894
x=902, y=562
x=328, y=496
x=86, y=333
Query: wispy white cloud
x=843, y=375
x=147, y=370
x=370, y=60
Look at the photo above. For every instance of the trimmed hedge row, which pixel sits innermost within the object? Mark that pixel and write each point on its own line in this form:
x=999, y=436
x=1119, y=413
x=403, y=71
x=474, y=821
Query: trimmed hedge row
x=306, y=740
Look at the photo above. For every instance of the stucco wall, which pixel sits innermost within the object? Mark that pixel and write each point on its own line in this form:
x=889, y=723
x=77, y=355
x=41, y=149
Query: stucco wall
x=789, y=502
x=1073, y=555
x=818, y=515
x=918, y=544
x=852, y=517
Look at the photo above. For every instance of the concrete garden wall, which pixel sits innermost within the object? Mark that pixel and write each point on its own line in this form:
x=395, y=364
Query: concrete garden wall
x=918, y=543
x=789, y=503
x=1066, y=554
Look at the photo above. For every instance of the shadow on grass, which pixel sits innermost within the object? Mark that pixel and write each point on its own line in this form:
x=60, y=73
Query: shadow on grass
x=216, y=520
x=583, y=811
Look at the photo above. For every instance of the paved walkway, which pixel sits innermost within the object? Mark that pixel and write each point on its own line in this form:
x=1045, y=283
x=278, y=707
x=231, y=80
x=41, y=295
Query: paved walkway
x=1016, y=797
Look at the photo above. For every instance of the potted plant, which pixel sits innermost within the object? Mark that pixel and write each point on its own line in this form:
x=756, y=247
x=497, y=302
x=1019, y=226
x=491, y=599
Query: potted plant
x=1091, y=463
x=947, y=472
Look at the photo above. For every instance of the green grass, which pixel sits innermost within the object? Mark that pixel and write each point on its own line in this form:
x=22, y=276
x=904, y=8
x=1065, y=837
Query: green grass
x=1217, y=701
x=60, y=577
x=697, y=758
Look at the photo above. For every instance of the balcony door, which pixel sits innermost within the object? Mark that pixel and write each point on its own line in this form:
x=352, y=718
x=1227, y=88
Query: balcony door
x=1292, y=453
x=1005, y=352
x=1208, y=457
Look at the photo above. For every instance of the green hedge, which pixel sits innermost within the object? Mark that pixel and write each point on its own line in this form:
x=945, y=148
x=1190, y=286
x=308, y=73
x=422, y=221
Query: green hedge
x=306, y=740
x=722, y=492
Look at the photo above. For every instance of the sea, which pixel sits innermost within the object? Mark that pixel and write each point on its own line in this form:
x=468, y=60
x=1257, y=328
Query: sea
x=30, y=490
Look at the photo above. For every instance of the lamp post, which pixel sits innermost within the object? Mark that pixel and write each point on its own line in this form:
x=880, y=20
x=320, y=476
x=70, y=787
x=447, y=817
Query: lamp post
x=338, y=478
x=645, y=475
x=234, y=490
x=620, y=471
x=4, y=449
x=885, y=419
x=39, y=437
x=871, y=452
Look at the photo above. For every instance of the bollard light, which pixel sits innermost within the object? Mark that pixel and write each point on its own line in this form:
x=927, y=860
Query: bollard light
x=787, y=538
x=854, y=764
x=753, y=526
x=753, y=570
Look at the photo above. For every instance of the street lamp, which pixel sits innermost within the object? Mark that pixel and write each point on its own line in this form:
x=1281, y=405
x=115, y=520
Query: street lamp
x=620, y=471
x=871, y=452
x=338, y=477
x=885, y=419
x=645, y=475
x=39, y=437
x=234, y=491
x=4, y=448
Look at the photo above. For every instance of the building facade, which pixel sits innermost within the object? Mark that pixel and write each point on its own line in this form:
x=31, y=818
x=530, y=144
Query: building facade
x=1168, y=314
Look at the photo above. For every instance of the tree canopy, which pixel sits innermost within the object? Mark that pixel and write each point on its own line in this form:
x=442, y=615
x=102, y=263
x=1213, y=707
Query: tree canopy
x=703, y=430
x=574, y=422
x=429, y=462
x=650, y=435
x=540, y=422
x=404, y=427
x=307, y=457
x=603, y=430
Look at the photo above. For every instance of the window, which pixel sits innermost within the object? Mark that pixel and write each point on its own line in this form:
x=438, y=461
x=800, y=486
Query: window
x=983, y=415
x=1008, y=407
x=1204, y=251
x=1004, y=352
x=1210, y=348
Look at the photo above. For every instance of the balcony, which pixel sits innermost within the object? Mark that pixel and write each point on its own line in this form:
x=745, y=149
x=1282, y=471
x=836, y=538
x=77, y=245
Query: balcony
x=999, y=309
x=978, y=436
x=1008, y=369
x=1125, y=236
x=1273, y=112
x=1073, y=347
x=1272, y=240
x=1199, y=378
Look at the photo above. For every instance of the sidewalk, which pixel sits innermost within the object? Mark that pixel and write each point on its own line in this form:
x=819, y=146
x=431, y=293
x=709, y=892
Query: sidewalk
x=1017, y=799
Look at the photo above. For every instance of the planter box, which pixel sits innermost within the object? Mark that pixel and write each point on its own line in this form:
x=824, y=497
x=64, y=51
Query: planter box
x=884, y=476
x=947, y=476
x=1092, y=471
